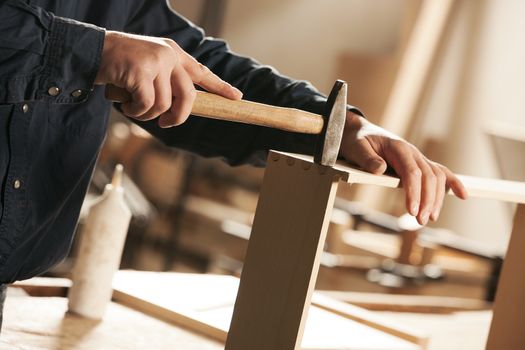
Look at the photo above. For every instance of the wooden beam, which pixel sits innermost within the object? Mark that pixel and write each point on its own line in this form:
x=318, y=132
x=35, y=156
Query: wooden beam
x=416, y=65
x=283, y=254
x=408, y=303
x=477, y=187
x=422, y=52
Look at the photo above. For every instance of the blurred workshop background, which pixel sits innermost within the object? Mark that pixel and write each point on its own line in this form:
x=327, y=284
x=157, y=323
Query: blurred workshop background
x=446, y=75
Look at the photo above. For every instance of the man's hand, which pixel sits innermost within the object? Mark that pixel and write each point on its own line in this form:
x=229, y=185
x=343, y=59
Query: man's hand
x=159, y=75
x=425, y=182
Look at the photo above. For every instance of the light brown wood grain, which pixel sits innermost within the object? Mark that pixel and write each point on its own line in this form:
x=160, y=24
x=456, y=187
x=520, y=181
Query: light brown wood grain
x=477, y=187
x=213, y=106
x=290, y=119
x=283, y=254
x=204, y=303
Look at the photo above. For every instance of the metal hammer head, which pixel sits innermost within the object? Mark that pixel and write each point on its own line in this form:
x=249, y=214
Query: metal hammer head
x=329, y=140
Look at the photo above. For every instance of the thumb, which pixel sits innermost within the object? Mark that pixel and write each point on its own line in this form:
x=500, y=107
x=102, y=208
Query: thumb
x=365, y=157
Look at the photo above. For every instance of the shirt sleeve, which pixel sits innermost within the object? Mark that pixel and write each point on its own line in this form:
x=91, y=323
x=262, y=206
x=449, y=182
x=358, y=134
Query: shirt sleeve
x=46, y=57
x=237, y=143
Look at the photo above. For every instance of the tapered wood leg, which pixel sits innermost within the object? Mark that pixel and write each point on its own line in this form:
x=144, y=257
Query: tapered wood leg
x=283, y=255
x=507, y=331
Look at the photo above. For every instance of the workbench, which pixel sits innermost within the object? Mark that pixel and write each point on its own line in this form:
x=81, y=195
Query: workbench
x=42, y=322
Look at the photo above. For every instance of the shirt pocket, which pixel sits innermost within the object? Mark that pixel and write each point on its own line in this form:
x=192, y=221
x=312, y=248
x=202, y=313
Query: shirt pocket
x=79, y=118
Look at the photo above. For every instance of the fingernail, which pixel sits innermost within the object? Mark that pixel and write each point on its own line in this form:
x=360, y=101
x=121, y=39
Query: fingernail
x=424, y=217
x=435, y=215
x=414, y=209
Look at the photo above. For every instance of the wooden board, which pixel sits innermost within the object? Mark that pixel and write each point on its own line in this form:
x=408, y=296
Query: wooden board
x=42, y=323
x=457, y=331
x=283, y=255
x=428, y=304
x=502, y=190
x=204, y=303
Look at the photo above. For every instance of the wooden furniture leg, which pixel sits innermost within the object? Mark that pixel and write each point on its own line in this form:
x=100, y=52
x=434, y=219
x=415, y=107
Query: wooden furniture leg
x=507, y=331
x=283, y=254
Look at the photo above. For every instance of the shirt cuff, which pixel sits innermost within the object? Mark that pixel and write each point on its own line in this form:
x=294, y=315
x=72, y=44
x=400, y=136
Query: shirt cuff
x=71, y=61
x=355, y=110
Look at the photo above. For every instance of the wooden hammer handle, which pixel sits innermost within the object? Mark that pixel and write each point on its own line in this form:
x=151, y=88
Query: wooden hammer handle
x=213, y=106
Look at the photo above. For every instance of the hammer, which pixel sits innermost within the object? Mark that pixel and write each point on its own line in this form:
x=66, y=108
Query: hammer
x=328, y=127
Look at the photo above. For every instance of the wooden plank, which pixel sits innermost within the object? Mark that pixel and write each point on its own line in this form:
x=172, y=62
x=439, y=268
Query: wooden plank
x=204, y=303
x=507, y=130
x=44, y=286
x=283, y=254
x=502, y=190
x=506, y=331
x=181, y=298
x=363, y=316
x=408, y=303
x=423, y=51
x=416, y=65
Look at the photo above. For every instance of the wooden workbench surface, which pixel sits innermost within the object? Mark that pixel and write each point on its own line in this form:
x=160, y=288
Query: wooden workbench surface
x=32, y=323
x=39, y=323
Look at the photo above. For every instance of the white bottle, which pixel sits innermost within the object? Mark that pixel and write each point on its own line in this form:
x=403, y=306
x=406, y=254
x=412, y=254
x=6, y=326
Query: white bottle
x=100, y=251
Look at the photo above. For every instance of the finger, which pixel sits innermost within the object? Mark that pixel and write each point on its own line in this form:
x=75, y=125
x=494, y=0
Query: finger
x=163, y=97
x=142, y=99
x=205, y=78
x=441, y=189
x=403, y=162
x=428, y=191
x=184, y=95
x=362, y=154
x=455, y=184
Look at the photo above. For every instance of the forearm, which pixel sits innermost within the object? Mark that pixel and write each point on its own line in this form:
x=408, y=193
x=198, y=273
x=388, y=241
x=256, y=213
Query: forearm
x=237, y=143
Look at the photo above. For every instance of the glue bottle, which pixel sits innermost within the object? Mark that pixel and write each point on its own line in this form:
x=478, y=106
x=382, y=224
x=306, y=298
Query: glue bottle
x=100, y=251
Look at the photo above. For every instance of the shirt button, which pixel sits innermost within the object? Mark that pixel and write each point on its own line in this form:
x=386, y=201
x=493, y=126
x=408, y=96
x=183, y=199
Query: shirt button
x=25, y=108
x=77, y=93
x=53, y=91
x=17, y=184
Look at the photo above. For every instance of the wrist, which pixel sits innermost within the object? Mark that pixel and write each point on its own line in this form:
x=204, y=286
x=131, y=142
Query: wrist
x=353, y=121
x=110, y=38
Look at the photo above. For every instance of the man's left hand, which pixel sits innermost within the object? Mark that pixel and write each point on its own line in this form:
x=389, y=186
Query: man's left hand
x=425, y=182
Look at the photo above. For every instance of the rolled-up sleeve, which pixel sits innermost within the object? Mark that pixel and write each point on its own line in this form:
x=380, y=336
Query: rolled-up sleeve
x=46, y=57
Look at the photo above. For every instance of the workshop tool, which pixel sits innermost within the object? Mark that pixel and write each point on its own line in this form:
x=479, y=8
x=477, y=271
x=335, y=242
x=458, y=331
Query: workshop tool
x=101, y=245
x=328, y=127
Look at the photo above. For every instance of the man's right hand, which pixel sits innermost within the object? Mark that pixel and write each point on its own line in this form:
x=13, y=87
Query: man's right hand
x=159, y=76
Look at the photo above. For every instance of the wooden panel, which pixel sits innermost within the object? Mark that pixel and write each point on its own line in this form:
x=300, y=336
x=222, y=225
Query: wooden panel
x=204, y=303
x=506, y=331
x=283, y=254
x=507, y=191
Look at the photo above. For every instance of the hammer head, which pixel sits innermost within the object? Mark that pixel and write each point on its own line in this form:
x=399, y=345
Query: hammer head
x=329, y=140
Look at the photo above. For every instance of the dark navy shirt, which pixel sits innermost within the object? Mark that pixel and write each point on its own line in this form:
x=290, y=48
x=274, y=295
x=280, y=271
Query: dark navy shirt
x=53, y=120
